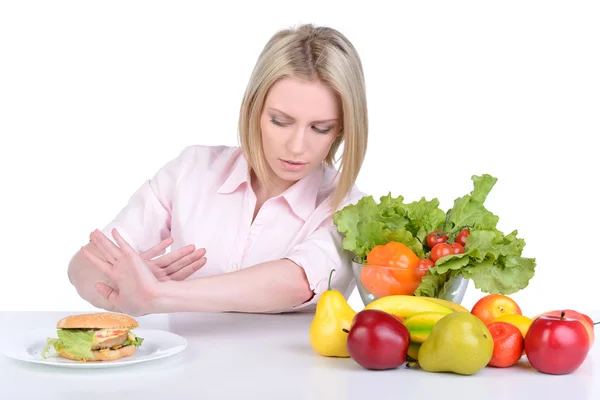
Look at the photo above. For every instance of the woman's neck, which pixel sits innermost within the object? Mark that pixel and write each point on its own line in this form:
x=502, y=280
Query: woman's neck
x=272, y=189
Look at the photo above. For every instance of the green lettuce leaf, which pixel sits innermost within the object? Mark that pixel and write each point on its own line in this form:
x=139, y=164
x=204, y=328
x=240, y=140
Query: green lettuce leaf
x=77, y=342
x=56, y=344
x=424, y=216
x=367, y=224
x=469, y=209
x=137, y=342
x=432, y=284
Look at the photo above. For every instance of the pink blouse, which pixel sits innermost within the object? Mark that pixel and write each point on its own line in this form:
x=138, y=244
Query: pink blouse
x=203, y=197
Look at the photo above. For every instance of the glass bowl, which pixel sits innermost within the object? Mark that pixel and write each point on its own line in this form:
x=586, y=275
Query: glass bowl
x=375, y=281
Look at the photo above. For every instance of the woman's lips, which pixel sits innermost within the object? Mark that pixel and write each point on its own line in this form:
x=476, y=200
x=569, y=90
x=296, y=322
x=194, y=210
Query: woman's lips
x=292, y=166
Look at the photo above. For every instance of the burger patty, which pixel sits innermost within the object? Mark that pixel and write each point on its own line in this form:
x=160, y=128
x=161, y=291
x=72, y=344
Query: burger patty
x=108, y=342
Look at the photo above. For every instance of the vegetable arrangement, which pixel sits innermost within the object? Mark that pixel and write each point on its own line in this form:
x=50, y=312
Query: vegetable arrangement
x=462, y=241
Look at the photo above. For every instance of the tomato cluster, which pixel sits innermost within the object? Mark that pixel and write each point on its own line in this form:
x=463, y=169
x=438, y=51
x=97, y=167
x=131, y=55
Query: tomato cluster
x=440, y=246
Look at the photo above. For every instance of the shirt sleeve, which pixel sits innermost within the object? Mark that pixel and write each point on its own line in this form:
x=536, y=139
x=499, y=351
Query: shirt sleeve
x=321, y=252
x=146, y=218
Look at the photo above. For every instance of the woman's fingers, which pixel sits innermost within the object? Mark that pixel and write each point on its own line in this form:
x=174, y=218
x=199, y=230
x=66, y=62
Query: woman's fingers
x=103, y=266
x=173, y=256
x=182, y=262
x=125, y=247
x=106, y=291
x=107, y=248
x=156, y=250
x=186, y=271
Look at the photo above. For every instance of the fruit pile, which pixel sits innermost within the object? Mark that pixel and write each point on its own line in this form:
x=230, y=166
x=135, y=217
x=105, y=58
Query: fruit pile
x=441, y=336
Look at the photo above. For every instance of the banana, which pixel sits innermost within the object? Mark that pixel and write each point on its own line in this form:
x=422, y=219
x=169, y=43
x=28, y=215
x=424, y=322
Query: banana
x=404, y=306
x=450, y=304
x=413, y=350
x=420, y=325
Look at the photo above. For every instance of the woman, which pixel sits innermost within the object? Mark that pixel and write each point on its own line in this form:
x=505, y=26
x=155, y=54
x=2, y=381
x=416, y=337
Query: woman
x=260, y=214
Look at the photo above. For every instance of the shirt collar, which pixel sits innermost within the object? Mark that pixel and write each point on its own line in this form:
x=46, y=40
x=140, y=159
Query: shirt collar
x=301, y=196
x=238, y=174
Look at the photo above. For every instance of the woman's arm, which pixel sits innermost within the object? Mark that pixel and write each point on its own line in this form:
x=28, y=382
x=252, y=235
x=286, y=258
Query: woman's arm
x=288, y=284
x=265, y=287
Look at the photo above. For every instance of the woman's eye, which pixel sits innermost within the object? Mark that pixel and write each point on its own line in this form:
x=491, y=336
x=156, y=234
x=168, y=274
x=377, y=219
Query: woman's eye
x=278, y=123
x=323, y=131
x=274, y=121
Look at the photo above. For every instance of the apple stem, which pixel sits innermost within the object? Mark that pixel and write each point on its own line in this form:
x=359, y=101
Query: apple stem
x=596, y=323
x=330, y=274
x=562, y=315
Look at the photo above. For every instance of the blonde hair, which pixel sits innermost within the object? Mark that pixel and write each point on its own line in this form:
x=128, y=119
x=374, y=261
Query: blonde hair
x=311, y=53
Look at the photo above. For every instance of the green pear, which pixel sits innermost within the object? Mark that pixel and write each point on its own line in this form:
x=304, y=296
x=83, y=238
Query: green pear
x=459, y=343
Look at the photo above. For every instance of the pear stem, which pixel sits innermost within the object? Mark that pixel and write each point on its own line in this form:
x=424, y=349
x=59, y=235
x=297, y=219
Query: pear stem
x=345, y=330
x=330, y=274
x=412, y=364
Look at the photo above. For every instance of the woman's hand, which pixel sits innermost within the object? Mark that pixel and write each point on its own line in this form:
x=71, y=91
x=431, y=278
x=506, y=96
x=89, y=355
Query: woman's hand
x=176, y=266
x=133, y=286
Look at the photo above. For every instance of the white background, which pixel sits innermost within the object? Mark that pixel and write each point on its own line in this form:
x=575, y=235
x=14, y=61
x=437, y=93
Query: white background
x=95, y=96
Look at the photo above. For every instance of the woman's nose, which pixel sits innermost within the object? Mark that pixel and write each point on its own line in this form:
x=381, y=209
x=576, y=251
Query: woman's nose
x=297, y=141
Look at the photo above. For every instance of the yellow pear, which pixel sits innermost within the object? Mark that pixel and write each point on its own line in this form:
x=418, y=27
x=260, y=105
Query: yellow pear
x=331, y=324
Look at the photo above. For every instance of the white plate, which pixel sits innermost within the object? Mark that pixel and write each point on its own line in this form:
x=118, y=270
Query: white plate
x=28, y=345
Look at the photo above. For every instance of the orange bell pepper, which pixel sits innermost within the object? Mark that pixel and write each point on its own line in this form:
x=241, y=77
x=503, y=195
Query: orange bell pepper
x=391, y=270
x=393, y=254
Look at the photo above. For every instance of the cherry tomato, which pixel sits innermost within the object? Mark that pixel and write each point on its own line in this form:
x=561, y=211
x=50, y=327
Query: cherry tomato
x=461, y=238
x=435, y=237
x=440, y=250
x=457, y=248
x=423, y=267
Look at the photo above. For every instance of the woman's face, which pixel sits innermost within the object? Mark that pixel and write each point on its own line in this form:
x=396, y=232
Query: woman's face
x=299, y=123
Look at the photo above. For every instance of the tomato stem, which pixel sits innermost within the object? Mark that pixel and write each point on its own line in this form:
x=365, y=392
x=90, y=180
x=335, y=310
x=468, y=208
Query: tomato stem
x=330, y=274
x=459, y=229
x=447, y=219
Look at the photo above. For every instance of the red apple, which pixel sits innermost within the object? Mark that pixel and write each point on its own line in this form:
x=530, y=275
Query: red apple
x=378, y=340
x=556, y=344
x=587, y=321
x=493, y=306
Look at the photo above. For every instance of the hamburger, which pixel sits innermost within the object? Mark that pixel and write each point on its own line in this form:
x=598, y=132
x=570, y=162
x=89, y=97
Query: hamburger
x=95, y=337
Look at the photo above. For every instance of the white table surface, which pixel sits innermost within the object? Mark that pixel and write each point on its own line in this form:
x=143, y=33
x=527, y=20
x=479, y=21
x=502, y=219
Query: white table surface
x=268, y=356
